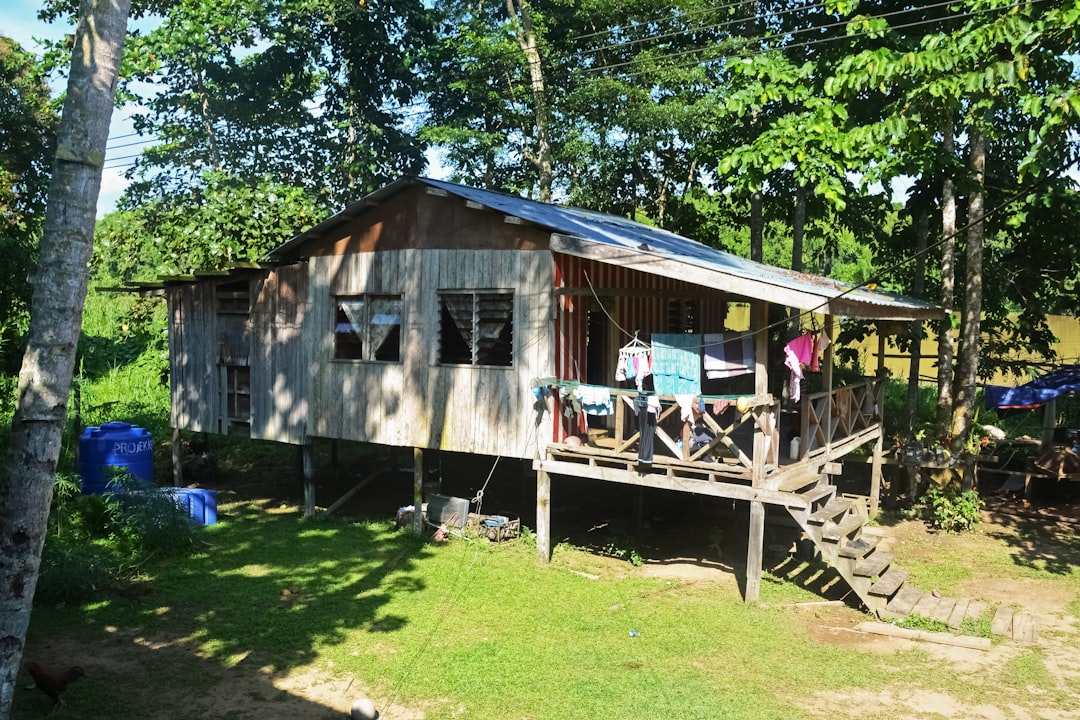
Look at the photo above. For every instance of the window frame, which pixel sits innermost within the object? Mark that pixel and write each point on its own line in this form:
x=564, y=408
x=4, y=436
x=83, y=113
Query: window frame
x=233, y=297
x=499, y=348
x=369, y=350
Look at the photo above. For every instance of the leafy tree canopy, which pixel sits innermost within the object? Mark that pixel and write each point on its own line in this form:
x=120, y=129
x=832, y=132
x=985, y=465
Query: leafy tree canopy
x=28, y=123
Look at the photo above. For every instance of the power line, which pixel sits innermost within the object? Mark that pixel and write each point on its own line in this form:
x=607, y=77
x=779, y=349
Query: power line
x=748, y=52
x=726, y=23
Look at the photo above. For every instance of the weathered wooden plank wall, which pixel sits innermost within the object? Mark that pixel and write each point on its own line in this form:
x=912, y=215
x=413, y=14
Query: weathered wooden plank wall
x=193, y=356
x=418, y=402
x=281, y=359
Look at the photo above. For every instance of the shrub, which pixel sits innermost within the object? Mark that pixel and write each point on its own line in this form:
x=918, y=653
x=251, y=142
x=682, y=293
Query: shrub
x=96, y=540
x=950, y=510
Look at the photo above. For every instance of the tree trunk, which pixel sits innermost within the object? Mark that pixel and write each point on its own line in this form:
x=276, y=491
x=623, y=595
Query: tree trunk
x=798, y=231
x=757, y=226
x=526, y=38
x=948, y=289
x=968, y=364
x=918, y=287
x=56, y=317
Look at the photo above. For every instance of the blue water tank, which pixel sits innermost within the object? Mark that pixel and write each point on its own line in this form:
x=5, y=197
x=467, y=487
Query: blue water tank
x=119, y=445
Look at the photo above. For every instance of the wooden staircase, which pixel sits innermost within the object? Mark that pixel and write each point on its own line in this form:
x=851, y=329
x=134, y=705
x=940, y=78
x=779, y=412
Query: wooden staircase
x=835, y=525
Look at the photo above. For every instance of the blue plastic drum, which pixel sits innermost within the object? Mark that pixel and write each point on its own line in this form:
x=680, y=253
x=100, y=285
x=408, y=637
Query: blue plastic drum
x=120, y=445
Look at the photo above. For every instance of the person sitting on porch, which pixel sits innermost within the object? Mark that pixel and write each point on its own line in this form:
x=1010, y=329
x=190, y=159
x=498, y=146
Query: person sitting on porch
x=700, y=432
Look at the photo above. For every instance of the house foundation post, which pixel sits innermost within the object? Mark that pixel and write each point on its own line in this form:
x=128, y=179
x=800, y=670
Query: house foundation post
x=418, y=491
x=177, y=458
x=543, y=517
x=879, y=445
x=755, y=541
x=307, y=462
x=755, y=550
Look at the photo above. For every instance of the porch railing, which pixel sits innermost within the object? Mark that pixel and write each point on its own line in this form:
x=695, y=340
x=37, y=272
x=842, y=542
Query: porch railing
x=738, y=420
x=837, y=421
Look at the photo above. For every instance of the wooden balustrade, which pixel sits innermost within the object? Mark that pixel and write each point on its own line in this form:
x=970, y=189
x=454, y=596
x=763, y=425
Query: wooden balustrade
x=837, y=421
x=734, y=426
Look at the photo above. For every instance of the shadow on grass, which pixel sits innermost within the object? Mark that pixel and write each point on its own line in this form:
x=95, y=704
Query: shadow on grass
x=270, y=591
x=1042, y=537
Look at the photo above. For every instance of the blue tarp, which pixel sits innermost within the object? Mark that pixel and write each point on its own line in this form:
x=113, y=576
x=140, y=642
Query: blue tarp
x=1058, y=382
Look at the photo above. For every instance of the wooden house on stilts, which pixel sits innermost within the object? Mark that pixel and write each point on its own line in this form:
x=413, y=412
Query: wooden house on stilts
x=436, y=316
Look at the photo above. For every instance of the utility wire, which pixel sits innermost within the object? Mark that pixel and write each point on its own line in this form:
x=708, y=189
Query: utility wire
x=751, y=51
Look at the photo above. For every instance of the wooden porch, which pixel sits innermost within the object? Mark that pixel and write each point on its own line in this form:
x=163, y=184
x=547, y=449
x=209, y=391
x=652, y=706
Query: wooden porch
x=831, y=425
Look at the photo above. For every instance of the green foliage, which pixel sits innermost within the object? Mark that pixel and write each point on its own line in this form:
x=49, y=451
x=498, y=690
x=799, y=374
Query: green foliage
x=316, y=91
x=951, y=510
x=223, y=221
x=27, y=135
x=920, y=622
x=98, y=540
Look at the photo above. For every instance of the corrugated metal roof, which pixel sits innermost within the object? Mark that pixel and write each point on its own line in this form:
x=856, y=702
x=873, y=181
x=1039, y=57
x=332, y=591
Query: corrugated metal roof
x=618, y=240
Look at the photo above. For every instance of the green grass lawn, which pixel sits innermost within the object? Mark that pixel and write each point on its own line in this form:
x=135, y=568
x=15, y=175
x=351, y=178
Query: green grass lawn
x=467, y=628
x=462, y=629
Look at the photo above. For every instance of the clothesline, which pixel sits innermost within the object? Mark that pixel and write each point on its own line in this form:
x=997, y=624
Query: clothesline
x=572, y=384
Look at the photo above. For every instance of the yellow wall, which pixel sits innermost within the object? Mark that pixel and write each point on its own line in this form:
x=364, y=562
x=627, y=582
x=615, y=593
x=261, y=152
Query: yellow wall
x=1066, y=329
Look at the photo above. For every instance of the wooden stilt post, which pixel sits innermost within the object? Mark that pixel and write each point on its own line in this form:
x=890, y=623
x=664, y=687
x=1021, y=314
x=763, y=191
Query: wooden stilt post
x=827, y=385
x=543, y=517
x=755, y=551
x=639, y=508
x=307, y=461
x=879, y=446
x=418, y=491
x=177, y=459
x=759, y=321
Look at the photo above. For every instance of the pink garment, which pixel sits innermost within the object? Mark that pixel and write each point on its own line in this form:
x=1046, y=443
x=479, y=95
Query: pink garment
x=797, y=353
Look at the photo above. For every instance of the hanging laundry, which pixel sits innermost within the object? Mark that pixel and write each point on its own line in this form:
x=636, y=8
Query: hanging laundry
x=728, y=355
x=594, y=400
x=797, y=353
x=821, y=341
x=686, y=406
x=643, y=406
x=634, y=362
x=676, y=363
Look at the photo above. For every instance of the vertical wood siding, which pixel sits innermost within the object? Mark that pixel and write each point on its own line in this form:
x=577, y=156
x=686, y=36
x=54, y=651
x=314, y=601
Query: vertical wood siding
x=640, y=302
x=193, y=357
x=280, y=357
x=417, y=402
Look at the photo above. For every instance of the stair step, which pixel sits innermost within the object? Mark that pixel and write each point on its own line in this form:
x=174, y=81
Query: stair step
x=860, y=547
x=890, y=582
x=799, y=479
x=835, y=508
x=837, y=532
x=905, y=599
x=817, y=493
x=874, y=564
x=959, y=612
x=926, y=606
x=944, y=609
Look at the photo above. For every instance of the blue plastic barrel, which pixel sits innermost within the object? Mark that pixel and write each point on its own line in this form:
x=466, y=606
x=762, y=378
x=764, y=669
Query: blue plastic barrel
x=120, y=445
x=200, y=503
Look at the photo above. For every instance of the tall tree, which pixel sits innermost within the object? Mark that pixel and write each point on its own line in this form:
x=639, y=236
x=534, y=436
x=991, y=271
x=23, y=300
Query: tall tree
x=56, y=315
x=316, y=93
x=27, y=133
